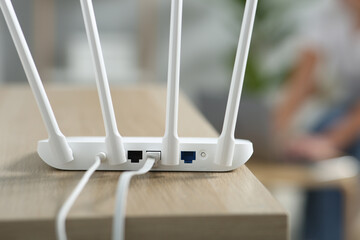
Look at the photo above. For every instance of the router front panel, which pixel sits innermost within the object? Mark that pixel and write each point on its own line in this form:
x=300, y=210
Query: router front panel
x=196, y=154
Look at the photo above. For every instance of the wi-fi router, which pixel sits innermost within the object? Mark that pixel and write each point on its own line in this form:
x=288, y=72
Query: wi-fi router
x=126, y=153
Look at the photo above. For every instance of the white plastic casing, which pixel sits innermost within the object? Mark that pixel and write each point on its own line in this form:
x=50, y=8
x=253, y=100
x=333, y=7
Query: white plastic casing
x=85, y=148
x=77, y=153
x=225, y=148
x=114, y=146
x=57, y=140
x=171, y=138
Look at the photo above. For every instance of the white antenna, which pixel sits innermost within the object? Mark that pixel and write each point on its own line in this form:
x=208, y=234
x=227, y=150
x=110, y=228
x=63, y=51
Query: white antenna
x=114, y=144
x=171, y=139
x=226, y=142
x=58, y=144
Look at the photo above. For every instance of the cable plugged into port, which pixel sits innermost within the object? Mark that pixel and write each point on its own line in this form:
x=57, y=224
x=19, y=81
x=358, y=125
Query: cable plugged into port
x=122, y=191
x=154, y=154
x=188, y=156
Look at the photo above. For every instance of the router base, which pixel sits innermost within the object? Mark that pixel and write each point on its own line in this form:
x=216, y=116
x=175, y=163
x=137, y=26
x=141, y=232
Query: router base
x=196, y=154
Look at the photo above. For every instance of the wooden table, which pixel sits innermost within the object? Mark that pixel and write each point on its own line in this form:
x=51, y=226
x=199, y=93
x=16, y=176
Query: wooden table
x=232, y=205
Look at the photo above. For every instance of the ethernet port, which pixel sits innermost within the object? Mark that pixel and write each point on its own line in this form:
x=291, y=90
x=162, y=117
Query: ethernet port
x=135, y=156
x=188, y=156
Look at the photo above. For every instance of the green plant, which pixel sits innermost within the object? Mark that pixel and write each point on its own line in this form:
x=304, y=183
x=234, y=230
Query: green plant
x=270, y=31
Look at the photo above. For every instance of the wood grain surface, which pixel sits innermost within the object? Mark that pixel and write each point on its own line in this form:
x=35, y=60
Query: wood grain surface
x=232, y=205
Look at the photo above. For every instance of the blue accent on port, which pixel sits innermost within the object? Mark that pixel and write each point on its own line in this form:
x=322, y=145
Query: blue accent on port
x=188, y=156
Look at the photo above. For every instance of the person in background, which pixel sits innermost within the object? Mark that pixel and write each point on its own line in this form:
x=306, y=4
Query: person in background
x=327, y=75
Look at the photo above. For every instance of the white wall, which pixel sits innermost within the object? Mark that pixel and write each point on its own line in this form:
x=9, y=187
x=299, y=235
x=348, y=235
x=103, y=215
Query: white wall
x=1, y=59
x=11, y=70
x=117, y=23
x=208, y=42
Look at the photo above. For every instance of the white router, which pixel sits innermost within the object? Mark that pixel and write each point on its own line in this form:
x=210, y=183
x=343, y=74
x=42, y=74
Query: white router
x=127, y=153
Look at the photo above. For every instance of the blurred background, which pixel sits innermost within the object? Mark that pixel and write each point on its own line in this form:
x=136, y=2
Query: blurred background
x=299, y=106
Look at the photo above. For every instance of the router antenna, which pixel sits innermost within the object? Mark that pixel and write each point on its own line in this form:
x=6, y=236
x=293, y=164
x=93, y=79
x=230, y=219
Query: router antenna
x=59, y=146
x=113, y=140
x=226, y=142
x=171, y=138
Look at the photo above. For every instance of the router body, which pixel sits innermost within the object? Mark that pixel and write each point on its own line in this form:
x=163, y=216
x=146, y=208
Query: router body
x=196, y=154
x=128, y=153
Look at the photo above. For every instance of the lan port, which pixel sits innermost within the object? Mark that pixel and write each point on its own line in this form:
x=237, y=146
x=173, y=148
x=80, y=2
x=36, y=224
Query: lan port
x=135, y=156
x=188, y=156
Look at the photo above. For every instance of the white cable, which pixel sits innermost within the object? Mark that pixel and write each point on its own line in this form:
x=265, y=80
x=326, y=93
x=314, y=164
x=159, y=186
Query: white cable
x=61, y=217
x=118, y=230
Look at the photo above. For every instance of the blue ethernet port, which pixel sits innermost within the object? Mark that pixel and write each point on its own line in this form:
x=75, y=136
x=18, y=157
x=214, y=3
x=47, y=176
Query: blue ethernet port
x=188, y=156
